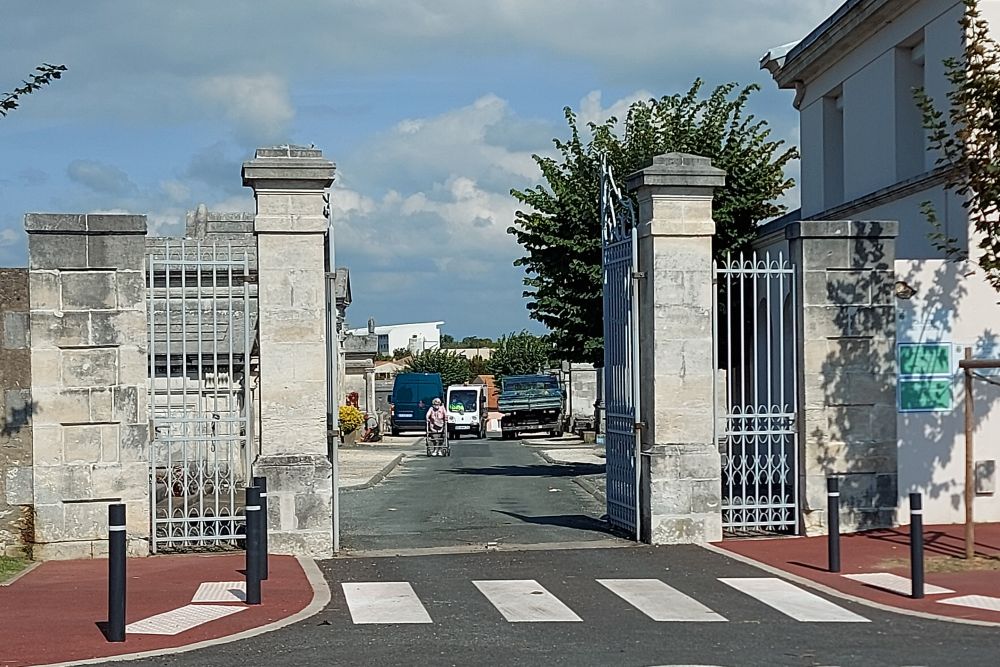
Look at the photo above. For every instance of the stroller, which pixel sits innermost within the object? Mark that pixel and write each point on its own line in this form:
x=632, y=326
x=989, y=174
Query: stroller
x=437, y=440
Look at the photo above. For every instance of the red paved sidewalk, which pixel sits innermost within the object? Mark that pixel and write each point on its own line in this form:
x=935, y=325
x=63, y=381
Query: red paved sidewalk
x=51, y=614
x=888, y=551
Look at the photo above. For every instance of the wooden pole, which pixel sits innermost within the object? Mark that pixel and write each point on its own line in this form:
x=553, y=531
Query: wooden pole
x=970, y=465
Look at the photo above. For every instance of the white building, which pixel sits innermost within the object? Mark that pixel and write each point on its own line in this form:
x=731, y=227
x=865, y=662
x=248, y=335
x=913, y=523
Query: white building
x=864, y=157
x=415, y=337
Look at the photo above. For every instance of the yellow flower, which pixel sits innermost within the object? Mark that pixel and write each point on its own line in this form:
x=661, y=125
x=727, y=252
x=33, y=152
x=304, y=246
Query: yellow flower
x=350, y=418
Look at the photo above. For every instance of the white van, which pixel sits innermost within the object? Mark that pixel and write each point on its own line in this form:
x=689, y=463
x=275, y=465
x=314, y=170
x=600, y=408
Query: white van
x=466, y=405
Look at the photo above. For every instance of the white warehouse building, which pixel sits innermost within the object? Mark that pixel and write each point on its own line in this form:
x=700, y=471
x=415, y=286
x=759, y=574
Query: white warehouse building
x=415, y=337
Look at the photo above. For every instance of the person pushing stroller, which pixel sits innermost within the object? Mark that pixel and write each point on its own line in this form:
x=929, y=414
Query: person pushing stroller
x=437, y=421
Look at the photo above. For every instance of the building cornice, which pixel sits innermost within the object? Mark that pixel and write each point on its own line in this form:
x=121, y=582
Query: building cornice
x=853, y=23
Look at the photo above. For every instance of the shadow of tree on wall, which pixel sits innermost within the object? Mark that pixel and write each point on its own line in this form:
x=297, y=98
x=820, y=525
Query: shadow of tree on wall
x=18, y=413
x=860, y=387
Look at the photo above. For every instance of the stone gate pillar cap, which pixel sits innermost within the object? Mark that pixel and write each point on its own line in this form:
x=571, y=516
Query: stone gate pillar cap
x=678, y=170
x=288, y=163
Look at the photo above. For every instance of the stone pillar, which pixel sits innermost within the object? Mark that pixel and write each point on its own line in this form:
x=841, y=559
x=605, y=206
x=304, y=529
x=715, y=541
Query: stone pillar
x=89, y=370
x=291, y=225
x=847, y=369
x=681, y=489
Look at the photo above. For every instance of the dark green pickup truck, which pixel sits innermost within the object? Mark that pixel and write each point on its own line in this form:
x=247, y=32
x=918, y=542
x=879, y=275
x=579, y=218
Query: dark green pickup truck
x=530, y=403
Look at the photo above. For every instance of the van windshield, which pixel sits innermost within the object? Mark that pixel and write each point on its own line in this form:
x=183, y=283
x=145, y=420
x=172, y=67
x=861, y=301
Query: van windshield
x=420, y=394
x=462, y=399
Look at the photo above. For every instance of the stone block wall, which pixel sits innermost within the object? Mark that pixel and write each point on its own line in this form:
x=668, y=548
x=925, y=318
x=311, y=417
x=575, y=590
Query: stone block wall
x=16, y=410
x=89, y=370
x=847, y=388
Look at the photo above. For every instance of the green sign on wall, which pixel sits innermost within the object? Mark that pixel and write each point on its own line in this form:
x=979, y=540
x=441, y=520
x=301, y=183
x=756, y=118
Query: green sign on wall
x=933, y=395
x=925, y=359
x=925, y=377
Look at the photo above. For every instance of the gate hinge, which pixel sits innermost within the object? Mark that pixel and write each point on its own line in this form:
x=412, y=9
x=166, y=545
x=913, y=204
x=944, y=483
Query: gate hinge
x=638, y=275
x=638, y=426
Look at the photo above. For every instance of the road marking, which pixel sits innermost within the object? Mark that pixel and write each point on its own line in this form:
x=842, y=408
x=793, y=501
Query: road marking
x=894, y=583
x=659, y=601
x=975, y=602
x=384, y=602
x=221, y=591
x=525, y=601
x=793, y=601
x=177, y=621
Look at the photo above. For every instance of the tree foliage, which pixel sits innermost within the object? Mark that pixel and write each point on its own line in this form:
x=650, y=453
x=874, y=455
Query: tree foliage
x=966, y=138
x=519, y=354
x=560, y=227
x=43, y=76
x=450, y=342
x=454, y=368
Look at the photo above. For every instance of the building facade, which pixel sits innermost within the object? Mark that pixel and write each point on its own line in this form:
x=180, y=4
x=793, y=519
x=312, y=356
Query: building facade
x=865, y=157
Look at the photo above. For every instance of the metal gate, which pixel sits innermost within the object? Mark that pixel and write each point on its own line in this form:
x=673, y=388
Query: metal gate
x=621, y=353
x=755, y=309
x=202, y=310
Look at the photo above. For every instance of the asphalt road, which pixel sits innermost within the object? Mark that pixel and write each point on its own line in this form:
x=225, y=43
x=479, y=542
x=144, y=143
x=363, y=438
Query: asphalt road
x=463, y=626
x=486, y=491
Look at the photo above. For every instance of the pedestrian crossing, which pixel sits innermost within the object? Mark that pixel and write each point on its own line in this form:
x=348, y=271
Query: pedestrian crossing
x=528, y=601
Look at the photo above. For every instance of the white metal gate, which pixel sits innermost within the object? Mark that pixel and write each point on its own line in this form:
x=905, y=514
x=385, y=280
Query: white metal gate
x=201, y=326
x=621, y=353
x=755, y=311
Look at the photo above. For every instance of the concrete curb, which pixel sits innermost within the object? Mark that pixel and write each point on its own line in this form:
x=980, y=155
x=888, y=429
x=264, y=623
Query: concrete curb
x=587, y=483
x=321, y=598
x=823, y=588
x=27, y=568
x=377, y=477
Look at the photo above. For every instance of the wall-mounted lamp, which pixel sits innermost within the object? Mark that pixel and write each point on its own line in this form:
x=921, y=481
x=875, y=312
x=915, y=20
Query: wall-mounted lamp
x=903, y=290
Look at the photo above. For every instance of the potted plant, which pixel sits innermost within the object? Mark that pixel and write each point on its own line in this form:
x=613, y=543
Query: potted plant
x=351, y=419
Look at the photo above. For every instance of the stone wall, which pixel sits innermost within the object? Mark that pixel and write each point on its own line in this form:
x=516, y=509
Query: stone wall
x=89, y=372
x=16, y=410
x=847, y=391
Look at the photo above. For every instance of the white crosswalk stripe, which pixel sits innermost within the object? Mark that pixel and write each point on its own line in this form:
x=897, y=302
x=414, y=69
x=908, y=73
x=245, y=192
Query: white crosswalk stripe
x=793, y=601
x=659, y=601
x=525, y=601
x=384, y=602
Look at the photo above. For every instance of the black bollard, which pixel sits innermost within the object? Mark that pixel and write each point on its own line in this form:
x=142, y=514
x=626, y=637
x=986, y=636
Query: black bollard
x=116, y=572
x=916, y=546
x=253, y=544
x=833, y=523
x=261, y=482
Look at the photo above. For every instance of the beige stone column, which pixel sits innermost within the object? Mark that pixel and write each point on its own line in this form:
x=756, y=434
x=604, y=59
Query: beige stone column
x=847, y=388
x=291, y=225
x=681, y=488
x=89, y=371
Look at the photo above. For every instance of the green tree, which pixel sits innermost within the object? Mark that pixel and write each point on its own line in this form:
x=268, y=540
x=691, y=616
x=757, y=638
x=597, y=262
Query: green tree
x=560, y=227
x=478, y=366
x=966, y=140
x=519, y=354
x=454, y=368
x=447, y=340
x=44, y=75
x=400, y=353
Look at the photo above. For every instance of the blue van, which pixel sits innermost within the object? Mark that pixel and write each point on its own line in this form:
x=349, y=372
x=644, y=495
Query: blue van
x=411, y=398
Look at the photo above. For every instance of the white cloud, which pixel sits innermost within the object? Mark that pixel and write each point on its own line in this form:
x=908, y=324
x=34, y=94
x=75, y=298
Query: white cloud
x=9, y=237
x=257, y=106
x=101, y=178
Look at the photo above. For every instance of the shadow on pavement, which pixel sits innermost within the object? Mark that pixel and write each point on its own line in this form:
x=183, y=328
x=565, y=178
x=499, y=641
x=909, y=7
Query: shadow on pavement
x=577, y=521
x=540, y=470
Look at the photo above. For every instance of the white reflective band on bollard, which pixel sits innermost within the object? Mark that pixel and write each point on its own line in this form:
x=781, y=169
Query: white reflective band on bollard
x=115, y=528
x=253, y=508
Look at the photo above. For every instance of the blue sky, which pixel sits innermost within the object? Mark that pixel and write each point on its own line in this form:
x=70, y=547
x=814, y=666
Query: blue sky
x=431, y=110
